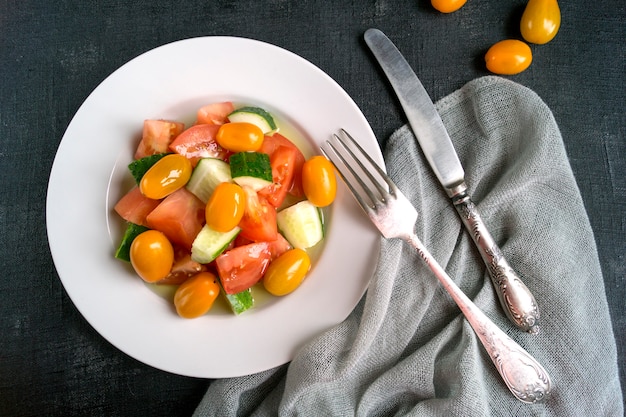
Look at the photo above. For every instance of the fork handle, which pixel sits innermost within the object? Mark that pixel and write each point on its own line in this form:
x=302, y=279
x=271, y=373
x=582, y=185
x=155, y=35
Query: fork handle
x=522, y=374
x=516, y=299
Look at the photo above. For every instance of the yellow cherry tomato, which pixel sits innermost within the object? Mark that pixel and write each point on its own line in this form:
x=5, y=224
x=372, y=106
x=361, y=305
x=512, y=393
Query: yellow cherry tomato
x=152, y=255
x=447, y=6
x=166, y=176
x=318, y=181
x=195, y=297
x=240, y=137
x=508, y=57
x=286, y=272
x=225, y=208
x=541, y=21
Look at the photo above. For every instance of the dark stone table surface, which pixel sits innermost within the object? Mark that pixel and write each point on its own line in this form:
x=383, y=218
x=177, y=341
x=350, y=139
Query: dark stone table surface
x=53, y=54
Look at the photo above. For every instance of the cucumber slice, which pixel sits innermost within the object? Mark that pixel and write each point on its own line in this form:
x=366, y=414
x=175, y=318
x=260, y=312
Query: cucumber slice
x=209, y=244
x=251, y=169
x=140, y=166
x=301, y=224
x=239, y=302
x=132, y=231
x=207, y=175
x=256, y=116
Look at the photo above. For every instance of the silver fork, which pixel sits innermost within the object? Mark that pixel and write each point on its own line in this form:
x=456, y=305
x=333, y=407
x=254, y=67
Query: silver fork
x=394, y=216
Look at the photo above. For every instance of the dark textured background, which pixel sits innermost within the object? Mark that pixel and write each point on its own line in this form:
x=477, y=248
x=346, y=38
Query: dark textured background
x=53, y=54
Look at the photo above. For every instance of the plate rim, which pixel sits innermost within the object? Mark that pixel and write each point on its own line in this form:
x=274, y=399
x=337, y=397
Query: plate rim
x=78, y=299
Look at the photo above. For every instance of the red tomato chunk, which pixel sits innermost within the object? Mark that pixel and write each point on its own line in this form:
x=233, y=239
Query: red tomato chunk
x=242, y=267
x=180, y=217
x=215, y=113
x=134, y=207
x=271, y=144
x=278, y=247
x=183, y=269
x=259, y=218
x=157, y=136
x=283, y=162
x=199, y=142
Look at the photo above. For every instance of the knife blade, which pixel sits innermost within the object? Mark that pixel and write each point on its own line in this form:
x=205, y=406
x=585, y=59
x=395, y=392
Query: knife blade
x=515, y=298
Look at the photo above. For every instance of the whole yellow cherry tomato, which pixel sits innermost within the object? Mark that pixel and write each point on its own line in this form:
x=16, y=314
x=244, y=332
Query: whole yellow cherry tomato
x=286, y=272
x=541, y=21
x=318, y=181
x=240, y=137
x=195, y=297
x=166, y=176
x=508, y=57
x=447, y=6
x=151, y=255
x=225, y=208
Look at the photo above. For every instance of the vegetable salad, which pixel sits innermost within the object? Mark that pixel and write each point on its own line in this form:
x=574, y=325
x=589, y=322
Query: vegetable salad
x=221, y=206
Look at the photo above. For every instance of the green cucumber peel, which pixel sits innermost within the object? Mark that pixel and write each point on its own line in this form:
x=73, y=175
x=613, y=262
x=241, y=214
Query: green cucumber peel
x=140, y=166
x=257, y=112
x=239, y=302
x=132, y=231
x=251, y=164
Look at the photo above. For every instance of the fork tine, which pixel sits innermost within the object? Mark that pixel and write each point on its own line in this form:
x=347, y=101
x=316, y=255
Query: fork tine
x=361, y=167
x=381, y=190
x=383, y=193
x=364, y=205
x=393, y=188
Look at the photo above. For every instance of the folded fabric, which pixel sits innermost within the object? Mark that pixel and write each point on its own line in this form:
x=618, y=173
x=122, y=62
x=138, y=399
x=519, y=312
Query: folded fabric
x=406, y=349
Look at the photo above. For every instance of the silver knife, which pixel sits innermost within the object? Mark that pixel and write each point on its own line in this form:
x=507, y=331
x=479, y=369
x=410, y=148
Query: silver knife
x=516, y=300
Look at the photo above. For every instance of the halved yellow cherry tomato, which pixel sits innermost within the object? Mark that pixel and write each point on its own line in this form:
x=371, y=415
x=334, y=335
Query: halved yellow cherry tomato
x=541, y=21
x=166, y=176
x=240, y=137
x=447, y=6
x=318, y=181
x=152, y=255
x=225, y=208
x=508, y=57
x=286, y=272
x=195, y=297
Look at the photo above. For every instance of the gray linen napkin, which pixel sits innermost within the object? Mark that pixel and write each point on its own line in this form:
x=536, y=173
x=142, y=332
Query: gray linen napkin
x=406, y=348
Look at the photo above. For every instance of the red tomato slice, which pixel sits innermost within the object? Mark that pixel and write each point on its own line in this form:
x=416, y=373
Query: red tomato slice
x=241, y=241
x=134, y=206
x=278, y=247
x=271, y=143
x=199, y=142
x=283, y=161
x=180, y=217
x=183, y=269
x=157, y=136
x=242, y=267
x=259, y=218
x=215, y=113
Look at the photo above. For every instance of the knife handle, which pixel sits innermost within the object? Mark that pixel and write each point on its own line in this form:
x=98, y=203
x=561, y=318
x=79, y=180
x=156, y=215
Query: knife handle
x=516, y=299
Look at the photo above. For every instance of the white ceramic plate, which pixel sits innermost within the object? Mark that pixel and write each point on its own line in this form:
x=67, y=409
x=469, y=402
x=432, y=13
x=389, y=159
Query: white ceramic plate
x=89, y=175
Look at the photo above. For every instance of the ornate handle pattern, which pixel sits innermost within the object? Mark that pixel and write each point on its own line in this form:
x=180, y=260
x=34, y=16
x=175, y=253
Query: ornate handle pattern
x=527, y=380
x=516, y=299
